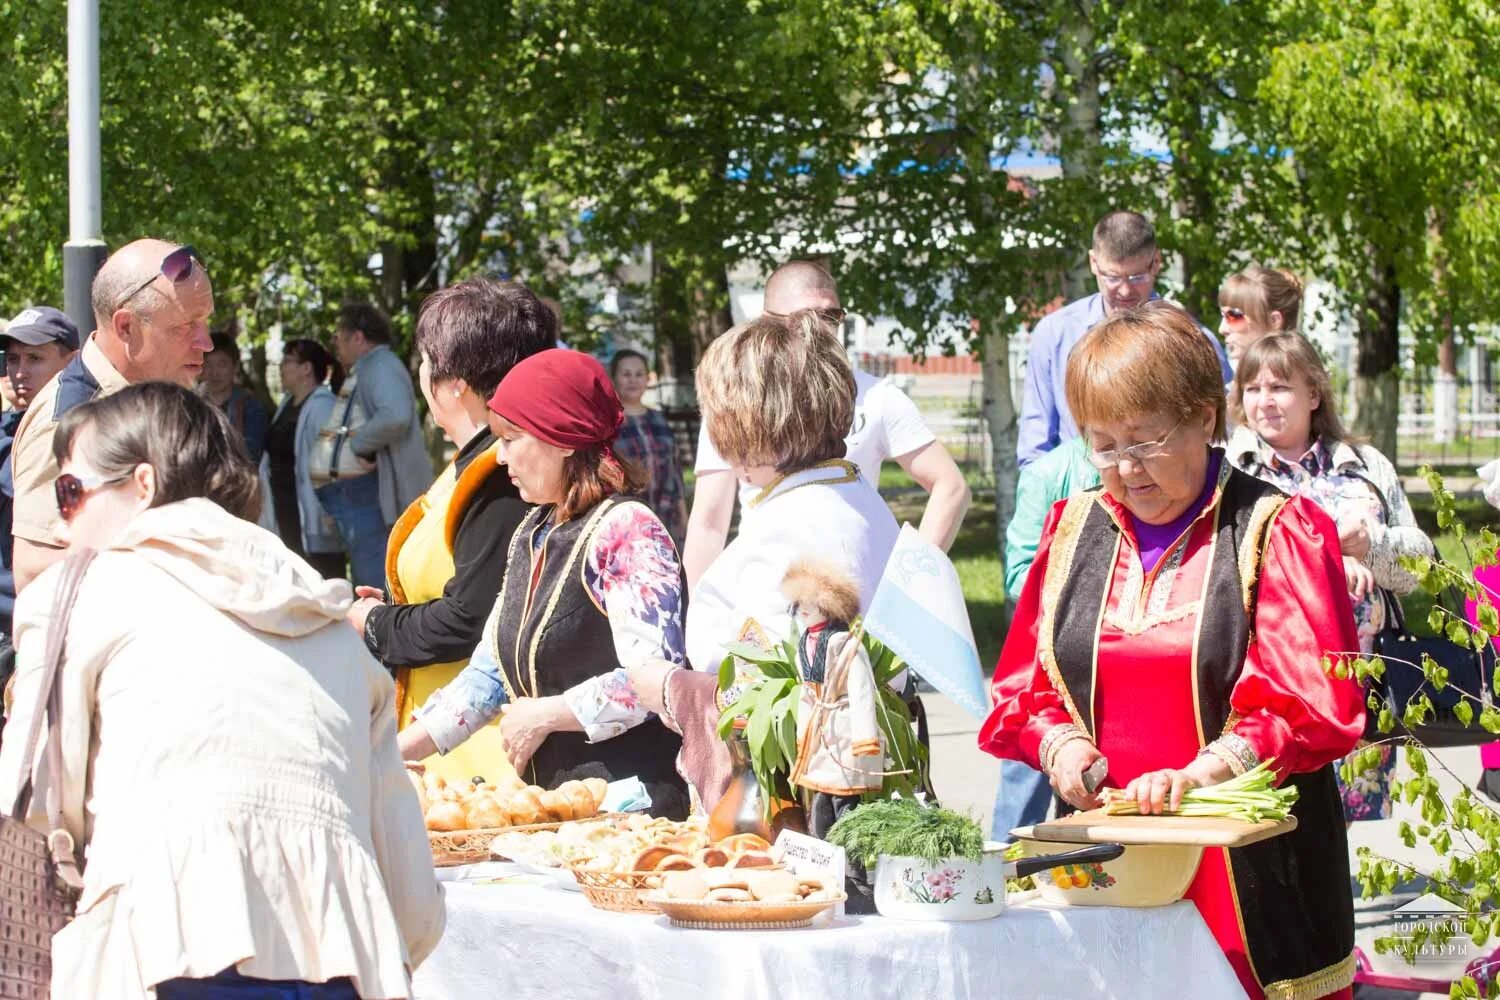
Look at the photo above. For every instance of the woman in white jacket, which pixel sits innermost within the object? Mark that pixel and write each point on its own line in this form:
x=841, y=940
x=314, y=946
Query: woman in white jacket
x=311, y=377
x=229, y=752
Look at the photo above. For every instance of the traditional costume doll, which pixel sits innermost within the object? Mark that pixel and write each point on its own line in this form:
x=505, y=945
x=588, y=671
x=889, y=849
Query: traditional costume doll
x=840, y=749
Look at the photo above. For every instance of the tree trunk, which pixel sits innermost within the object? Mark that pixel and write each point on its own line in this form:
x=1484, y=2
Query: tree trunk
x=1377, y=388
x=1000, y=418
x=1445, y=392
x=1081, y=134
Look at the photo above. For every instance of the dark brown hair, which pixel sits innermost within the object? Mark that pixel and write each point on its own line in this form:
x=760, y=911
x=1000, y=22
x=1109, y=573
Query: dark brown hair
x=626, y=354
x=368, y=320
x=481, y=328
x=1122, y=236
x=324, y=364
x=190, y=444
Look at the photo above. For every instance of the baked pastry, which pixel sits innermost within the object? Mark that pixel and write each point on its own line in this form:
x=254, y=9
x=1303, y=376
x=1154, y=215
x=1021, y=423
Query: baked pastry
x=579, y=798
x=711, y=857
x=744, y=842
x=445, y=816
x=751, y=859
x=597, y=788
x=684, y=885
x=482, y=812
x=728, y=895
x=772, y=884
x=525, y=808
x=675, y=863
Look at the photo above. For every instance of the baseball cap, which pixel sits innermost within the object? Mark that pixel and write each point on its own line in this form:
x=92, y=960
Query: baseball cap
x=41, y=325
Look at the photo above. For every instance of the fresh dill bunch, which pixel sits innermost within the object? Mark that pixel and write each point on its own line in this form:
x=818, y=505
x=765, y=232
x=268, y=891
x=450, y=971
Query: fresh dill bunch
x=906, y=828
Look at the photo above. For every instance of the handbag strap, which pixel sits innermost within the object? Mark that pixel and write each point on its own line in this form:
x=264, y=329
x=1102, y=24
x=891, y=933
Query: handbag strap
x=49, y=706
x=343, y=433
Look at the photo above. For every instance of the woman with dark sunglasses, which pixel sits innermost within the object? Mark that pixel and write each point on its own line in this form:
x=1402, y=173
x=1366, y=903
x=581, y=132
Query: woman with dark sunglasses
x=248, y=808
x=1254, y=303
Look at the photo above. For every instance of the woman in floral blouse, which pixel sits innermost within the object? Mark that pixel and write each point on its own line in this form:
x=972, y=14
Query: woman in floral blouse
x=592, y=586
x=647, y=440
x=1291, y=436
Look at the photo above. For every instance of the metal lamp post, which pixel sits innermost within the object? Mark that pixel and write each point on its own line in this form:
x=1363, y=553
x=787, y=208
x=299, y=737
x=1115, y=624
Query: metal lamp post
x=84, y=251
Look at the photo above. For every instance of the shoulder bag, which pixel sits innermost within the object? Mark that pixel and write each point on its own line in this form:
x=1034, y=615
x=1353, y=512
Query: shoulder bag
x=39, y=873
x=331, y=457
x=1469, y=674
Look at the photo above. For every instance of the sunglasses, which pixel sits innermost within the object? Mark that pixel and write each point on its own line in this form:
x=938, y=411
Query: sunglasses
x=1233, y=315
x=72, y=491
x=176, y=267
x=833, y=316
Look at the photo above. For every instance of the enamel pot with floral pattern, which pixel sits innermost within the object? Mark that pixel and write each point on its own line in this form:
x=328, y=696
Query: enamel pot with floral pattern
x=910, y=888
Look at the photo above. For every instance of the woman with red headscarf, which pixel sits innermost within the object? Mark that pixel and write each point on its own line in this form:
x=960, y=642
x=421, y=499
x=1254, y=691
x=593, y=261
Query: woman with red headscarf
x=592, y=585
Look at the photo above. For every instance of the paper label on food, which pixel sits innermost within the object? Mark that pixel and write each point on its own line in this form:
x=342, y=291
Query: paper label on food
x=804, y=855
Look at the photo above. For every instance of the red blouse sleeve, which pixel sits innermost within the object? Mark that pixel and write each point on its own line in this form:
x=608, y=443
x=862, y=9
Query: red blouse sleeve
x=1292, y=708
x=1026, y=704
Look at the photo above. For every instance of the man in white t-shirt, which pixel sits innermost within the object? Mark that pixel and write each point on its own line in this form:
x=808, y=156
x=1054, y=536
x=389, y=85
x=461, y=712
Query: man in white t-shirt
x=887, y=425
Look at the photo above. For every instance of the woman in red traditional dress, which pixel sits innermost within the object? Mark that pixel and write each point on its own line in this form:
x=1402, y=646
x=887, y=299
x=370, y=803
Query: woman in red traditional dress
x=1176, y=623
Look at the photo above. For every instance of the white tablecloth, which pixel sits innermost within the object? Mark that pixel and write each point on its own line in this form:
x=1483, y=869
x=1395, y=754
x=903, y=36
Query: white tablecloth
x=514, y=941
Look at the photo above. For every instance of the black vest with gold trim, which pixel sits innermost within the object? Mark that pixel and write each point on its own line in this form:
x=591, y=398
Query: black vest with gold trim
x=1293, y=891
x=552, y=636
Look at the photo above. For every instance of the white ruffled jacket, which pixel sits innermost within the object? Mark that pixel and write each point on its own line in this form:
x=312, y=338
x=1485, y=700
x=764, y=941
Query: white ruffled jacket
x=230, y=764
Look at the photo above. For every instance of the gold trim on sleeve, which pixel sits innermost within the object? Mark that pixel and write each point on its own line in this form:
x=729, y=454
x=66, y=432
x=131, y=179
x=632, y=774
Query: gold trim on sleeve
x=1315, y=984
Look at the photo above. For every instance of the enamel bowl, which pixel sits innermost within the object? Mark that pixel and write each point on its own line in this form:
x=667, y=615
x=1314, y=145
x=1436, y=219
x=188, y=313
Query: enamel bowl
x=1144, y=875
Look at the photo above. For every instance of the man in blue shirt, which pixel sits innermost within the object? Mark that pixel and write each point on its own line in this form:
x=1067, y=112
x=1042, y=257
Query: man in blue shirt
x=1125, y=262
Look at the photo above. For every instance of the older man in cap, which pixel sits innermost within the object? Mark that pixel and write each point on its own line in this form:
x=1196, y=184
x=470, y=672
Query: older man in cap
x=151, y=300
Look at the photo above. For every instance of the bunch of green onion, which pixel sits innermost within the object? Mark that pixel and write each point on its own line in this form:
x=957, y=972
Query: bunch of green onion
x=1251, y=797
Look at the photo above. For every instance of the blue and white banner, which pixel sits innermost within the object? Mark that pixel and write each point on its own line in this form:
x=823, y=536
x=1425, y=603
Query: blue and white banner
x=919, y=612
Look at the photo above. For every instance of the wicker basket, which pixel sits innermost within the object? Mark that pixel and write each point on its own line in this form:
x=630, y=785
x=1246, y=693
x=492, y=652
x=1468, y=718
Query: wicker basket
x=619, y=892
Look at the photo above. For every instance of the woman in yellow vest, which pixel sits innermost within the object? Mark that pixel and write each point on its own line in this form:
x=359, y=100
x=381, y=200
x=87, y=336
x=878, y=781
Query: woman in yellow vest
x=447, y=552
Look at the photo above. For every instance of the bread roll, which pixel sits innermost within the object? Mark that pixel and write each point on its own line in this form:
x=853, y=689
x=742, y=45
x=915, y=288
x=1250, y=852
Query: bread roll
x=445, y=816
x=559, y=807
x=729, y=895
x=648, y=859
x=744, y=842
x=581, y=800
x=598, y=788
x=711, y=857
x=525, y=808
x=772, y=884
x=684, y=885
x=482, y=812
x=751, y=859
x=675, y=863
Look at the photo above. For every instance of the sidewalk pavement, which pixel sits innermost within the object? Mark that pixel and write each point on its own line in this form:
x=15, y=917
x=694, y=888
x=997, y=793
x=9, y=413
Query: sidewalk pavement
x=965, y=779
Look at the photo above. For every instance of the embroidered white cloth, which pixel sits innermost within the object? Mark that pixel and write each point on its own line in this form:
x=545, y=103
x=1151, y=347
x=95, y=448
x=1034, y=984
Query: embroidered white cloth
x=537, y=941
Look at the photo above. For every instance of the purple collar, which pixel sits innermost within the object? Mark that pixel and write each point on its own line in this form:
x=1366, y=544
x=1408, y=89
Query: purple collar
x=1154, y=540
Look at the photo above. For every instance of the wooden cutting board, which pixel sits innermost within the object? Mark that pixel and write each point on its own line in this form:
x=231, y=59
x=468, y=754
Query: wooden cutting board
x=1095, y=827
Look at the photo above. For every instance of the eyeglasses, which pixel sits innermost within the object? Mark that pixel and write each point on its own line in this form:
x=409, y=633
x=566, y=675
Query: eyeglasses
x=1232, y=315
x=176, y=267
x=72, y=490
x=1142, y=280
x=1137, y=453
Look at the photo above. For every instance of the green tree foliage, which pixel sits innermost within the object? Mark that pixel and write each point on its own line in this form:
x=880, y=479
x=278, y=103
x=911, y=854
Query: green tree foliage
x=1394, y=116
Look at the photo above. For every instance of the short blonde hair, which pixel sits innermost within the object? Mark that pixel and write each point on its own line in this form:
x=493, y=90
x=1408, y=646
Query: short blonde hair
x=1259, y=291
x=777, y=391
x=1153, y=359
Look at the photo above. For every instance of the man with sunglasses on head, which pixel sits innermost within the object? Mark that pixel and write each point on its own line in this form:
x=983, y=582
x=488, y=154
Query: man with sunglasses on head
x=1126, y=262
x=152, y=300
x=887, y=425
